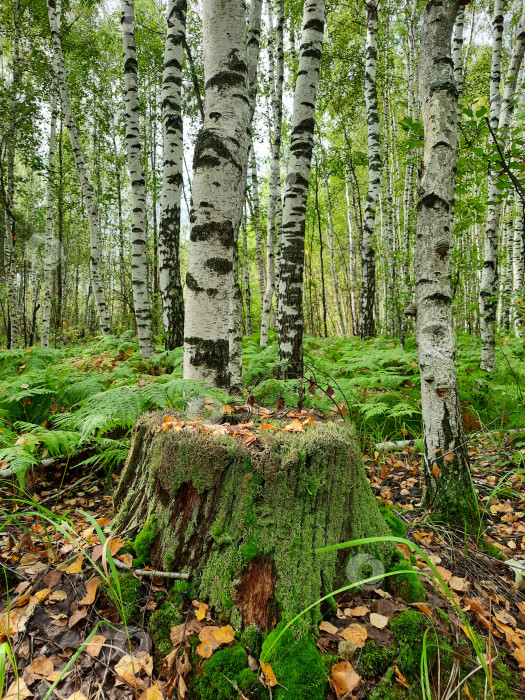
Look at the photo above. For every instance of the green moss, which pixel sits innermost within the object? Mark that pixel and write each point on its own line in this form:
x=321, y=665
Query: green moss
x=128, y=602
x=250, y=685
x=406, y=585
x=144, y=541
x=249, y=550
x=252, y=639
x=297, y=666
x=213, y=683
x=408, y=629
x=501, y=686
x=395, y=524
x=375, y=659
x=160, y=624
x=488, y=547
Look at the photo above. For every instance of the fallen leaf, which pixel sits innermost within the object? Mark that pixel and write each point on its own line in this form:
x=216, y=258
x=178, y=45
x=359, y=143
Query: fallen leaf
x=267, y=426
x=76, y=566
x=115, y=544
x=328, y=627
x=294, y=427
x=52, y=578
x=126, y=558
x=458, y=584
x=355, y=634
x=127, y=668
x=42, y=665
x=91, y=591
x=78, y=615
x=505, y=617
x=379, y=621
x=43, y=594
x=57, y=596
x=152, y=693
x=18, y=690
x=177, y=634
x=400, y=678
x=519, y=655
x=344, y=679
x=77, y=695
x=360, y=611
x=200, y=613
x=224, y=635
x=95, y=645
x=208, y=643
x=269, y=676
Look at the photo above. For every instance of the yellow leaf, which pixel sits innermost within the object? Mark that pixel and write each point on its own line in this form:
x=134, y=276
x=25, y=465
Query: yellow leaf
x=200, y=613
x=449, y=457
x=355, y=634
x=18, y=690
x=267, y=426
x=76, y=567
x=270, y=679
x=43, y=594
x=294, y=427
x=308, y=421
x=43, y=666
x=153, y=693
x=208, y=643
x=224, y=635
x=226, y=409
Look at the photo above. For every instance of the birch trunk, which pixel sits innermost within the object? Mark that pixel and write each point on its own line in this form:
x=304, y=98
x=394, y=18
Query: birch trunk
x=256, y=223
x=246, y=270
x=53, y=9
x=48, y=249
x=139, y=272
x=351, y=255
x=368, y=292
x=13, y=307
x=219, y=183
x=518, y=282
x=274, y=217
x=500, y=115
x=333, y=269
x=506, y=287
x=291, y=263
x=457, y=56
x=172, y=182
x=449, y=493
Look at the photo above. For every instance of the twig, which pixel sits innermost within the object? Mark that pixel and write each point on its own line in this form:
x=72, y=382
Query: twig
x=511, y=175
x=152, y=574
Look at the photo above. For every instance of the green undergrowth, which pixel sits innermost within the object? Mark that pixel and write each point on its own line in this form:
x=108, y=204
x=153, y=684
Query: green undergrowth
x=127, y=600
x=53, y=402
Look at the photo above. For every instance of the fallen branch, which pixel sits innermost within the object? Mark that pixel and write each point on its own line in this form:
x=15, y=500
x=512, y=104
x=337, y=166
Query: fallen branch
x=402, y=444
x=152, y=574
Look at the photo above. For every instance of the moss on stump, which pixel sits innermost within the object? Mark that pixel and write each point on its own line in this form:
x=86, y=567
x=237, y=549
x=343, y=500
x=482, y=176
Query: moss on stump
x=246, y=522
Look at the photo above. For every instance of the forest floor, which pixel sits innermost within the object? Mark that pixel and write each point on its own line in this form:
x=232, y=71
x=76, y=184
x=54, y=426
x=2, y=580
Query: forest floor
x=62, y=631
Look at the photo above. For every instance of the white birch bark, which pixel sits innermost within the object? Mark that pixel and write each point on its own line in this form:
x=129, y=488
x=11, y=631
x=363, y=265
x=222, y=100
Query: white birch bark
x=219, y=183
x=90, y=203
x=274, y=216
x=351, y=255
x=13, y=306
x=449, y=489
x=518, y=282
x=500, y=114
x=331, y=246
x=368, y=291
x=291, y=255
x=506, y=286
x=246, y=270
x=48, y=248
x=256, y=223
x=139, y=272
x=172, y=177
x=457, y=56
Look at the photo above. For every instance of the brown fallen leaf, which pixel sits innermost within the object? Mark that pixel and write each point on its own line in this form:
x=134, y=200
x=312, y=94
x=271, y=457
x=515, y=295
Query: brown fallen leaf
x=57, y=596
x=294, y=427
x=379, y=621
x=78, y=615
x=95, y=645
x=128, y=668
x=152, y=693
x=344, y=679
x=505, y=617
x=76, y=566
x=328, y=627
x=77, y=695
x=268, y=679
x=18, y=690
x=519, y=655
x=126, y=558
x=178, y=634
x=458, y=584
x=360, y=611
x=43, y=594
x=355, y=634
x=42, y=665
x=208, y=643
x=200, y=612
x=400, y=678
x=91, y=591
x=115, y=545
x=52, y=578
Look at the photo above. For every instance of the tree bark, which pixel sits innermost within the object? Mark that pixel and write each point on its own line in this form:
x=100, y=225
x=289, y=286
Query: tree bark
x=48, y=250
x=331, y=246
x=53, y=8
x=500, y=114
x=139, y=271
x=518, y=271
x=219, y=183
x=256, y=223
x=291, y=264
x=366, y=317
x=450, y=493
x=172, y=182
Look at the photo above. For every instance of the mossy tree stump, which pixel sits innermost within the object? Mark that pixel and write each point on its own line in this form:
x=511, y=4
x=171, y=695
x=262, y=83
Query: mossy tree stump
x=246, y=522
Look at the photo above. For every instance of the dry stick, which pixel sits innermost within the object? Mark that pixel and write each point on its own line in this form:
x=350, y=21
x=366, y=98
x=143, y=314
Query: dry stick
x=152, y=574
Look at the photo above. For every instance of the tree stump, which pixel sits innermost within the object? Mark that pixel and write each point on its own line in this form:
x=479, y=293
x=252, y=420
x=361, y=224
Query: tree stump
x=245, y=521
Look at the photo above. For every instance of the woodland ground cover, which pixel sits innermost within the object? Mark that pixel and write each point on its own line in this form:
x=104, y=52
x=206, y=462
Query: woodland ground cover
x=75, y=406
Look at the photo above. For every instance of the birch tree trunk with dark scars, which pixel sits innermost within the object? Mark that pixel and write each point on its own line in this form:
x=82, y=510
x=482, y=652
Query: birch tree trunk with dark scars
x=90, y=203
x=219, y=182
x=139, y=271
x=368, y=293
x=48, y=249
x=172, y=182
x=449, y=490
x=291, y=255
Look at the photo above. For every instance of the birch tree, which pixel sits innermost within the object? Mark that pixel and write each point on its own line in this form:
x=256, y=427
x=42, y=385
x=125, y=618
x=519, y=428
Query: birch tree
x=368, y=292
x=518, y=278
x=449, y=490
x=48, y=248
x=90, y=203
x=501, y=108
x=274, y=216
x=219, y=182
x=172, y=182
x=139, y=272
x=291, y=261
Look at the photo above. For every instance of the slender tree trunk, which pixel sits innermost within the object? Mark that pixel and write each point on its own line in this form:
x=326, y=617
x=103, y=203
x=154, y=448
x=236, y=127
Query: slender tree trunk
x=172, y=125
x=368, y=292
x=256, y=223
x=321, y=256
x=449, y=488
x=13, y=308
x=457, y=56
x=246, y=270
x=506, y=287
x=53, y=7
x=139, y=274
x=48, y=251
x=333, y=269
x=500, y=115
x=518, y=255
x=219, y=183
x=274, y=200
x=290, y=293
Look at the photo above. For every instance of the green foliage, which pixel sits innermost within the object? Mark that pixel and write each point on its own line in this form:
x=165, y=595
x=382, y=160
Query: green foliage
x=408, y=629
x=160, y=624
x=375, y=659
x=144, y=541
x=214, y=682
x=252, y=638
x=128, y=603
